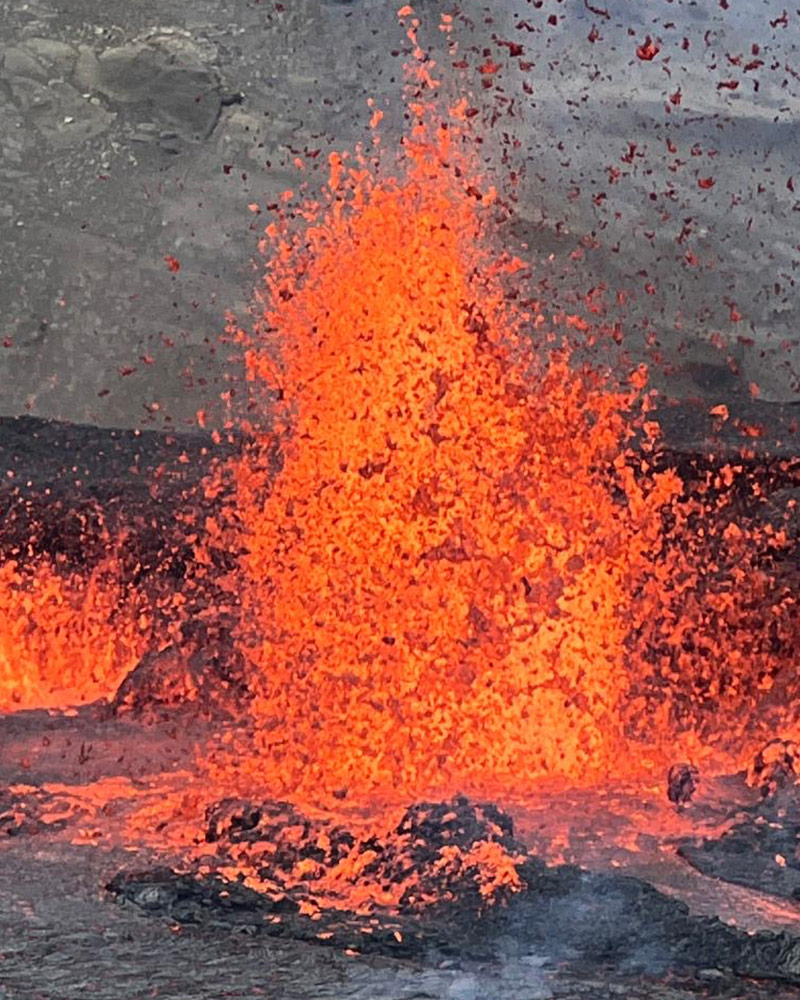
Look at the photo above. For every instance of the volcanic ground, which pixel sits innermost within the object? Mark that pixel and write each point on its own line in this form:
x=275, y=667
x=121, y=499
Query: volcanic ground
x=615, y=910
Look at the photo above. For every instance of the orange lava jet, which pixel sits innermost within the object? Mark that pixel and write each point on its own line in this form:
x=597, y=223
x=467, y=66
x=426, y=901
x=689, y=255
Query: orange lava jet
x=437, y=587
x=468, y=574
x=462, y=578
x=66, y=639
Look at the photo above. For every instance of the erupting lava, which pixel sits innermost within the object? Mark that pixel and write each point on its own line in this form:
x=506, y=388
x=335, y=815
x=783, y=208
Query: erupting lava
x=442, y=587
x=66, y=638
x=467, y=573
x=438, y=583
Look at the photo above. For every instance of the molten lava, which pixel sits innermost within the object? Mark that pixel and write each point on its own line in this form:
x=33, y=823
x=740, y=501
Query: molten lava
x=466, y=574
x=437, y=587
x=66, y=638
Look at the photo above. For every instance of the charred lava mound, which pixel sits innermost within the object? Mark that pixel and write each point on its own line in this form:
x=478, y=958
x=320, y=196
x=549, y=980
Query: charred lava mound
x=432, y=865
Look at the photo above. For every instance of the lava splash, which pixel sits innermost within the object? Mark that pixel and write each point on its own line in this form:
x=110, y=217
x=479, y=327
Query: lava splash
x=437, y=587
x=457, y=561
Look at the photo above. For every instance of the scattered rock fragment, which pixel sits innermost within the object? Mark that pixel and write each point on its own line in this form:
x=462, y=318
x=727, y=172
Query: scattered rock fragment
x=18, y=62
x=57, y=54
x=682, y=782
x=163, y=679
x=71, y=93
x=161, y=78
x=38, y=74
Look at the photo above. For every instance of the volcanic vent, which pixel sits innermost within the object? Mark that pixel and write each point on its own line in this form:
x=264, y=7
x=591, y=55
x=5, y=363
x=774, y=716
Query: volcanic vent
x=446, y=567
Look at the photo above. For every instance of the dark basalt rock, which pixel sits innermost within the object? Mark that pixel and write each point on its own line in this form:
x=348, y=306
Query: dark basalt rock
x=759, y=853
x=164, y=679
x=213, y=902
x=762, y=850
x=208, y=678
x=571, y=915
x=682, y=782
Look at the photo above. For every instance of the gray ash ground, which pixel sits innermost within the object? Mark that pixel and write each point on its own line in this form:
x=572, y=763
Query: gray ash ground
x=62, y=941
x=134, y=131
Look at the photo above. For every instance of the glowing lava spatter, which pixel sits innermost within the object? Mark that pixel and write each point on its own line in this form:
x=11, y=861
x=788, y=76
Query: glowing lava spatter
x=437, y=585
x=464, y=577
x=66, y=638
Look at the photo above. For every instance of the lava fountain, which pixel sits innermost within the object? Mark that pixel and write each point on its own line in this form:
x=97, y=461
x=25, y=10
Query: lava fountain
x=438, y=585
x=471, y=566
x=458, y=562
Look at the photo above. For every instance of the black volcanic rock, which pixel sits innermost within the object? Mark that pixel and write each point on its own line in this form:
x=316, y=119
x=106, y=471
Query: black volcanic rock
x=562, y=911
x=759, y=853
x=682, y=780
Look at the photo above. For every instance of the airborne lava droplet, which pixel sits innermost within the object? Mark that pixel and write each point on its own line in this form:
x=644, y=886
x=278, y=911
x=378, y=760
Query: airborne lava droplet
x=648, y=50
x=489, y=68
x=172, y=263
